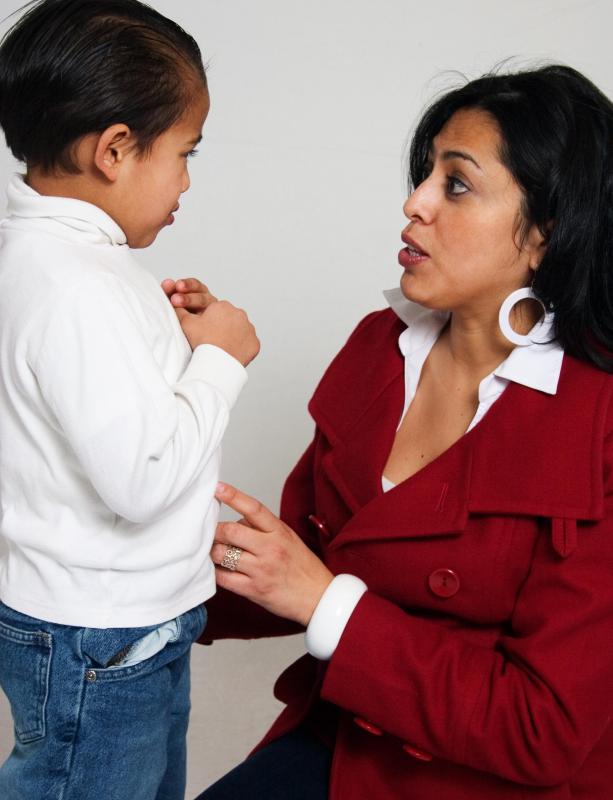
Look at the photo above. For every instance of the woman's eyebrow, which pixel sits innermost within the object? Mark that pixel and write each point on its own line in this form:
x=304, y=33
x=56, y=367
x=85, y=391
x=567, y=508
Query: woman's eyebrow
x=448, y=155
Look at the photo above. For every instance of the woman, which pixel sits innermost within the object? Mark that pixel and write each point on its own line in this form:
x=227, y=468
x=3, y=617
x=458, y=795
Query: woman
x=447, y=538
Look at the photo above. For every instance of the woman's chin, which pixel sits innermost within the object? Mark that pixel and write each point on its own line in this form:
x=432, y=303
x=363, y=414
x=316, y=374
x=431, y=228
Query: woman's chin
x=417, y=293
x=410, y=290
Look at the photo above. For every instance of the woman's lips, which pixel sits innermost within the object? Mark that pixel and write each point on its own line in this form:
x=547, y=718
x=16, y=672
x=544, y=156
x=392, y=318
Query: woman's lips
x=412, y=254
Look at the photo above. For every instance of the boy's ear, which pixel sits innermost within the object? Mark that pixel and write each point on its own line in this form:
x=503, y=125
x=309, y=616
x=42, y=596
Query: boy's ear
x=111, y=148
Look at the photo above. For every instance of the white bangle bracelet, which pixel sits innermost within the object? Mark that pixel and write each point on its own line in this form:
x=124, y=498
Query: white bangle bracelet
x=331, y=615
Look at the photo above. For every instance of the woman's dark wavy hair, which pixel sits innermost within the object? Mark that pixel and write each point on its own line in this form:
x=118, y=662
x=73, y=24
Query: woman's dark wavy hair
x=73, y=67
x=557, y=142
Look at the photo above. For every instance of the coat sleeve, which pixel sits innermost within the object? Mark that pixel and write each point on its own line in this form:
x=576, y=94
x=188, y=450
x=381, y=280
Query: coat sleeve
x=530, y=706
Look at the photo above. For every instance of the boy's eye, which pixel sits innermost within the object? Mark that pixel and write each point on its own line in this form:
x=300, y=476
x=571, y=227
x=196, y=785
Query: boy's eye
x=455, y=186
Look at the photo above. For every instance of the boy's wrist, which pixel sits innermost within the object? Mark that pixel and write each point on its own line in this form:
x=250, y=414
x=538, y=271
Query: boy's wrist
x=218, y=368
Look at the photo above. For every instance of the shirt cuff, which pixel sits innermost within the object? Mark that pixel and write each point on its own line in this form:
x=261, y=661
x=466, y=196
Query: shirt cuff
x=213, y=365
x=332, y=614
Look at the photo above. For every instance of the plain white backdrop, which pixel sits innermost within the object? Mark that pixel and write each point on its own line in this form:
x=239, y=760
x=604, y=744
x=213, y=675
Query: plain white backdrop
x=295, y=213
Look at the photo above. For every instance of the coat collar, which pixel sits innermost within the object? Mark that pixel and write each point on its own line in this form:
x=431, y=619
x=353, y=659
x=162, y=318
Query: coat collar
x=513, y=462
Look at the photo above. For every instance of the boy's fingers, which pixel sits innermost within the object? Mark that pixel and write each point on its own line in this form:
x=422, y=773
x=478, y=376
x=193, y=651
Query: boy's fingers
x=168, y=285
x=191, y=285
x=195, y=302
x=252, y=510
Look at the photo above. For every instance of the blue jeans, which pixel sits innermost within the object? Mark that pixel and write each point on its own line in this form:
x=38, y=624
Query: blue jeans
x=294, y=767
x=98, y=713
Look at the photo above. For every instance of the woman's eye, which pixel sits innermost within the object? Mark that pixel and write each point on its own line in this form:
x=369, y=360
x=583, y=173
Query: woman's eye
x=191, y=153
x=455, y=186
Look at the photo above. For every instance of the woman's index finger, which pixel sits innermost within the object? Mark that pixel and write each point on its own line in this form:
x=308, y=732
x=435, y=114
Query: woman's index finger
x=251, y=509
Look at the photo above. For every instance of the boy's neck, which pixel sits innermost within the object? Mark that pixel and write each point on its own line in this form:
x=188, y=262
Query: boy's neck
x=88, y=184
x=77, y=187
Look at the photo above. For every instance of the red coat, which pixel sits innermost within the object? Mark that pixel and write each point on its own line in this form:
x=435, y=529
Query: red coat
x=480, y=662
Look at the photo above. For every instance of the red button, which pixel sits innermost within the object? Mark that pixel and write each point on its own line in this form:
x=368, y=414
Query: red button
x=321, y=526
x=368, y=726
x=444, y=582
x=421, y=755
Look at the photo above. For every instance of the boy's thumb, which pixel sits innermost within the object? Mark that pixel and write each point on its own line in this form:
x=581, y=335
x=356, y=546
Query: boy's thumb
x=181, y=313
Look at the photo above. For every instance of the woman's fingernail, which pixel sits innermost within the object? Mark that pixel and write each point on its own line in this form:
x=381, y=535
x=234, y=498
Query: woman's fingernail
x=221, y=488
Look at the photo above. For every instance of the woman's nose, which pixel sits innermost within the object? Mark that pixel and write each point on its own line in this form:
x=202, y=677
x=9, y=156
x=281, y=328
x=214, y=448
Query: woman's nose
x=420, y=204
x=407, y=208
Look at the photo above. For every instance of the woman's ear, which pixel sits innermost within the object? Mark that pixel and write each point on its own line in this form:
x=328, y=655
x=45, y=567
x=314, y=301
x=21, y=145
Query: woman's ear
x=535, y=245
x=111, y=148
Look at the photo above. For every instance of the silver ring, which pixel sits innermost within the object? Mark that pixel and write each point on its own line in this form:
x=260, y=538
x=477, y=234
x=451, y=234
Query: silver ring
x=231, y=558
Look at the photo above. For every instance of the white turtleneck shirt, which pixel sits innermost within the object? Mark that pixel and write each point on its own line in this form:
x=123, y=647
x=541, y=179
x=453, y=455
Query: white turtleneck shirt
x=110, y=427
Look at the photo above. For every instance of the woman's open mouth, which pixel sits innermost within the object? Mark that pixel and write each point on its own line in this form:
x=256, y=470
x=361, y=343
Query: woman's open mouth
x=412, y=254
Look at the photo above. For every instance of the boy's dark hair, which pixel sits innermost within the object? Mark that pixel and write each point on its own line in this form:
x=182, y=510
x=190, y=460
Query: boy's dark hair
x=73, y=67
x=557, y=142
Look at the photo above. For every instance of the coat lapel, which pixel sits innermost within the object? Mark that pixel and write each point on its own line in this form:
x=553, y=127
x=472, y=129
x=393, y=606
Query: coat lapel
x=357, y=406
x=432, y=502
x=542, y=455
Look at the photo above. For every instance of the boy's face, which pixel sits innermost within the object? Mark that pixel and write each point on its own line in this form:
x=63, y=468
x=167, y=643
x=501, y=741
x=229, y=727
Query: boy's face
x=151, y=184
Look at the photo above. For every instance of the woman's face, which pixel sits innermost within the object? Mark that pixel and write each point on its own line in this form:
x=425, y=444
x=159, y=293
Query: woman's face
x=464, y=250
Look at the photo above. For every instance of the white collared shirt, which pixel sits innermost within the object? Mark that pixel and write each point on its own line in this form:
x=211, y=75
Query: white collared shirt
x=110, y=427
x=537, y=366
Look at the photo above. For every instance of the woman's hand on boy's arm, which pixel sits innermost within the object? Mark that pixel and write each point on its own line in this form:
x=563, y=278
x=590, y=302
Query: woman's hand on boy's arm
x=188, y=293
x=273, y=568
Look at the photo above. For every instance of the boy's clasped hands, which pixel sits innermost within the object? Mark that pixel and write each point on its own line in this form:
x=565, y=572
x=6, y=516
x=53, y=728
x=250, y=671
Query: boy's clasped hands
x=207, y=320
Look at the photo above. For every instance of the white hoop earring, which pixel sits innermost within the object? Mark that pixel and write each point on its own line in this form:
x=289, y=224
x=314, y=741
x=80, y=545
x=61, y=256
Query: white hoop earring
x=536, y=334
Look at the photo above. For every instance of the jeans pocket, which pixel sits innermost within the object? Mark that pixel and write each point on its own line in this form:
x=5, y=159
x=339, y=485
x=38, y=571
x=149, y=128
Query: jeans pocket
x=150, y=645
x=24, y=676
x=115, y=653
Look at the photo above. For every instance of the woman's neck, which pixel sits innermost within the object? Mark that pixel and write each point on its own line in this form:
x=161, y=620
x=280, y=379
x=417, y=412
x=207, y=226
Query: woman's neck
x=474, y=344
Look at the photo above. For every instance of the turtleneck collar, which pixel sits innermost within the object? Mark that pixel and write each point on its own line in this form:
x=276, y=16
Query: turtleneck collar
x=63, y=216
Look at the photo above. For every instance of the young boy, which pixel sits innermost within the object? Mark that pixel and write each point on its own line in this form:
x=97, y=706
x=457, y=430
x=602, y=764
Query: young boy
x=110, y=426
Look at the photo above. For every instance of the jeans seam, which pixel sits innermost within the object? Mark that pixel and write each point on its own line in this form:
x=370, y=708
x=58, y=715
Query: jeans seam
x=72, y=746
x=49, y=639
